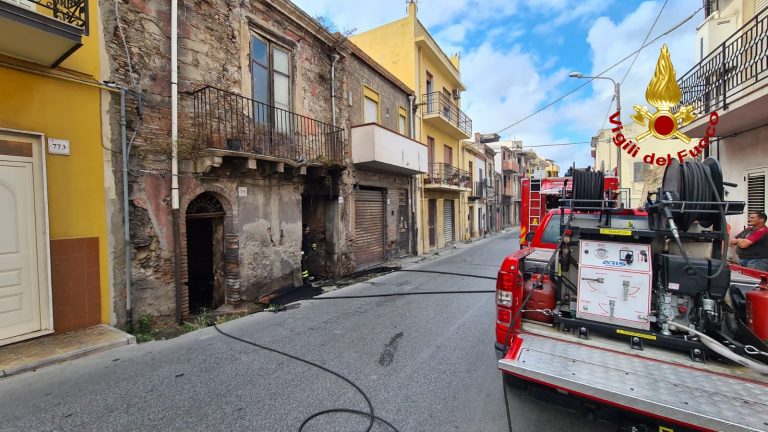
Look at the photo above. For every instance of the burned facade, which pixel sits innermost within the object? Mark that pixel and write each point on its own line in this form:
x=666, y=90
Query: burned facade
x=258, y=153
x=275, y=131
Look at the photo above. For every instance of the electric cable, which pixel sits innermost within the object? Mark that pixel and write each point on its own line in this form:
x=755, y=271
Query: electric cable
x=403, y=294
x=371, y=415
x=446, y=273
x=670, y=30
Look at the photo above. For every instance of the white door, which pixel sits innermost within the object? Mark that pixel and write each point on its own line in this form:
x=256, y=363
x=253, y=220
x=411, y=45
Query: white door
x=20, y=306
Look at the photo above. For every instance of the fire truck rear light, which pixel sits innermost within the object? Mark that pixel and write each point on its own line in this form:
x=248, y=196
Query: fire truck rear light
x=567, y=232
x=504, y=316
x=504, y=298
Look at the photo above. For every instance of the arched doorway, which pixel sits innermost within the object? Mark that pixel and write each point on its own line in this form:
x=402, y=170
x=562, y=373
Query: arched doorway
x=205, y=252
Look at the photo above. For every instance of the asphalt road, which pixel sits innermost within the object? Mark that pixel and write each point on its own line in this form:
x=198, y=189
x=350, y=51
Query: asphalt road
x=426, y=362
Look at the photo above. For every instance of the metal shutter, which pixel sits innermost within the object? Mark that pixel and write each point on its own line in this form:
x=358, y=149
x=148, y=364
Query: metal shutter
x=448, y=220
x=756, y=191
x=371, y=111
x=760, y=5
x=369, y=227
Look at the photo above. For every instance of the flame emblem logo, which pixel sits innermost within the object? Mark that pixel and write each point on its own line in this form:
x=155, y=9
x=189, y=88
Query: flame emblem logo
x=663, y=93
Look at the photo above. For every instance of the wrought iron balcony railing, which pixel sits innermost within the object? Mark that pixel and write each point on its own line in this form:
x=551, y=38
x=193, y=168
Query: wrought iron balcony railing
x=444, y=174
x=479, y=189
x=74, y=12
x=739, y=63
x=229, y=121
x=438, y=103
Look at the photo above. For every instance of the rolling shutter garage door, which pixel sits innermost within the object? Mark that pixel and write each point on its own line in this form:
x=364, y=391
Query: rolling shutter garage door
x=448, y=220
x=369, y=227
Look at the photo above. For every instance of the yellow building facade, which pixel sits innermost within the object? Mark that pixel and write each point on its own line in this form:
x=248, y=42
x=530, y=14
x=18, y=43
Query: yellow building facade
x=408, y=51
x=54, y=266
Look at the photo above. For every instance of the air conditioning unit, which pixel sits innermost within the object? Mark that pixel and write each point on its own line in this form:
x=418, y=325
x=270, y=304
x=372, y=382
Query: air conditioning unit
x=456, y=94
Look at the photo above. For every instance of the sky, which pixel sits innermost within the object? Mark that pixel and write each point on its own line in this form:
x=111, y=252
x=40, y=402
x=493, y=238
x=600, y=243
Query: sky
x=516, y=56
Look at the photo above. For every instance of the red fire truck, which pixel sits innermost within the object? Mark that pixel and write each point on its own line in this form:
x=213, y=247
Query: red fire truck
x=618, y=311
x=539, y=195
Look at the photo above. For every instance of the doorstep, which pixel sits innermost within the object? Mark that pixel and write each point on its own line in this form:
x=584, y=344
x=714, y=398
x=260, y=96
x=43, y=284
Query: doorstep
x=47, y=350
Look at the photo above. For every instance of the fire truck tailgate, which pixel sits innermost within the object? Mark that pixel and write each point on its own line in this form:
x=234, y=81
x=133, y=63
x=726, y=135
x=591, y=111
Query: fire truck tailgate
x=691, y=396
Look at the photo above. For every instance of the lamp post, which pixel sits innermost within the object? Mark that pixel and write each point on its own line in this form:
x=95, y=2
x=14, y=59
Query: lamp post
x=617, y=94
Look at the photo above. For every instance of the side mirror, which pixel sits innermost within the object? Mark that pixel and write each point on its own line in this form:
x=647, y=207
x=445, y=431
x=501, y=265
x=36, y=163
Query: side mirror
x=529, y=237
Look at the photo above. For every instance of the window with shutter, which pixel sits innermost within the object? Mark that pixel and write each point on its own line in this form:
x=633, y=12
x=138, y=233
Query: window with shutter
x=370, y=105
x=756, y=192
x=638, y=168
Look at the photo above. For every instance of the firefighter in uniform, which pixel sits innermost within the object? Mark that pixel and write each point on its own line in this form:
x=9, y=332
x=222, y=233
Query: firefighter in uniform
x=308, y=247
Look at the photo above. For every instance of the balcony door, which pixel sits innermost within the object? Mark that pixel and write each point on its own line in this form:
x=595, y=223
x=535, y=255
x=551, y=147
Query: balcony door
x=271, y=91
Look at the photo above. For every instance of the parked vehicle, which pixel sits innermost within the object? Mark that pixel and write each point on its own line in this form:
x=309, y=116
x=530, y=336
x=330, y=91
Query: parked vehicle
x=638, y=310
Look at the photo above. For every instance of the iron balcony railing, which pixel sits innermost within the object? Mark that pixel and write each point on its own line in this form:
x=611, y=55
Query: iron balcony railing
x=445, y=174
x=74, y=12
x=439, y=103
x=479, y=189
x=739, y=63
x=229, y=121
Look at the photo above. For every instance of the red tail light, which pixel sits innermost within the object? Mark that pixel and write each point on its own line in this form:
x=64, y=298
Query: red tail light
x=503, y=316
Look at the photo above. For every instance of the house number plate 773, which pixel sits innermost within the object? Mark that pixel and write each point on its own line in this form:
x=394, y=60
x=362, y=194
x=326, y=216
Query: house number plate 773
x=58, y=146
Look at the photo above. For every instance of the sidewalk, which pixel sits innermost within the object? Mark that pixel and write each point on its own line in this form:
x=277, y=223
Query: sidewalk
x=47, y=350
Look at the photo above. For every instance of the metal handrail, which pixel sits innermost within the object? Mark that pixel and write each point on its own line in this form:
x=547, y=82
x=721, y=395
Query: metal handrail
x=443, y=173
x=229, y=121
x=73, y=12
x=740, y=62
x=438, y=103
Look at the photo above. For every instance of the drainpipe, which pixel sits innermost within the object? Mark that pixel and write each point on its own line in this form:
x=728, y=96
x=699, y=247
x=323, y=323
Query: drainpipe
x=414, y=179
x=126, y=212
x=175, y=152
x=335, y=58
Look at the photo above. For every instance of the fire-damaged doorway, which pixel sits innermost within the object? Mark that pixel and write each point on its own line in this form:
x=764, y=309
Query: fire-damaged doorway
x=205, y=253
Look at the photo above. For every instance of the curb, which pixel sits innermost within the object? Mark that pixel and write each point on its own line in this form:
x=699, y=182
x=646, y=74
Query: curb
x=127, y=340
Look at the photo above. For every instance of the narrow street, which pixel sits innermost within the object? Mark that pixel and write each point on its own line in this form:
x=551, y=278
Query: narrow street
x=426, y=362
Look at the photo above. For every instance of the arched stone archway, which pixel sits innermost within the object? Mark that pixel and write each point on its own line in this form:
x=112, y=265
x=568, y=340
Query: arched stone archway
x=209, y=249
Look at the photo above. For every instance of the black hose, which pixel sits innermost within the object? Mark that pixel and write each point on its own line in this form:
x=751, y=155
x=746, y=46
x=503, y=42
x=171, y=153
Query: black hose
x=695, y=190
x=371, y=416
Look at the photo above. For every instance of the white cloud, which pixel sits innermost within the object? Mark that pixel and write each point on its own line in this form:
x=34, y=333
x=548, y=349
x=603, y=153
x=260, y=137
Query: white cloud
x=506, y=81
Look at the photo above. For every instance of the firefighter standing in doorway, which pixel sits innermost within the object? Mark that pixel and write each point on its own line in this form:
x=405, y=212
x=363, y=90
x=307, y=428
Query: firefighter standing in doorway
x=308, y=247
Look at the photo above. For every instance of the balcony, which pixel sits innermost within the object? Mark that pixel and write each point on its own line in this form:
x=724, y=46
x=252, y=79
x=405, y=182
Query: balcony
x=730, y=80
x=381, y=149
x=447, y=177
x=479, y=190
x=45, y=32
x=229, y=124
x=510, y=166
x=443, y=114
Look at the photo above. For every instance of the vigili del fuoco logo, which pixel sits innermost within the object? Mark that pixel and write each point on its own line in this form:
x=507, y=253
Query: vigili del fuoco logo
x=664, y=95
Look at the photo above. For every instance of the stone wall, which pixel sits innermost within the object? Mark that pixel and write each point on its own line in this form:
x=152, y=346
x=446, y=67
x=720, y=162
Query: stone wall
x=214, y=43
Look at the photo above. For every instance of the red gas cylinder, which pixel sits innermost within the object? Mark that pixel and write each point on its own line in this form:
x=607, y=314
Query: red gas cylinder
x=543, y=298
x=757, y=311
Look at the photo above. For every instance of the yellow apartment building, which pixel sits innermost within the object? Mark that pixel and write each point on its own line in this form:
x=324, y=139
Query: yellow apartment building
x=54, y=266
x=408, y=51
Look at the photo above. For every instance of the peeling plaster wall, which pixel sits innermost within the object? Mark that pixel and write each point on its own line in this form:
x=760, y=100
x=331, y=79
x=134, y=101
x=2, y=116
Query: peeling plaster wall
x=214, y=41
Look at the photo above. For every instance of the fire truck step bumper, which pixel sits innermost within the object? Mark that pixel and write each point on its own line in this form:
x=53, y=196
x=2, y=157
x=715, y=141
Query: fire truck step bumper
x=690, y=396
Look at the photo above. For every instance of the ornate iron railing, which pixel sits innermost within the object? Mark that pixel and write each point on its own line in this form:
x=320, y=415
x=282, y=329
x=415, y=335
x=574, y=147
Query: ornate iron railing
x=445, y=174
x=229, y=121
x=438, y=103
x=73, y=12
x=479, y=189
x=739, y=63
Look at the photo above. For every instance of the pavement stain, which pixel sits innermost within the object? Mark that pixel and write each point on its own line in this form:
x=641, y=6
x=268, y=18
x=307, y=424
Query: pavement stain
x=388, y=355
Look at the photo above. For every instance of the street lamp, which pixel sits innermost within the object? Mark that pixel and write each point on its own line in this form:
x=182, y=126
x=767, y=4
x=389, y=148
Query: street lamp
x=617, y=94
